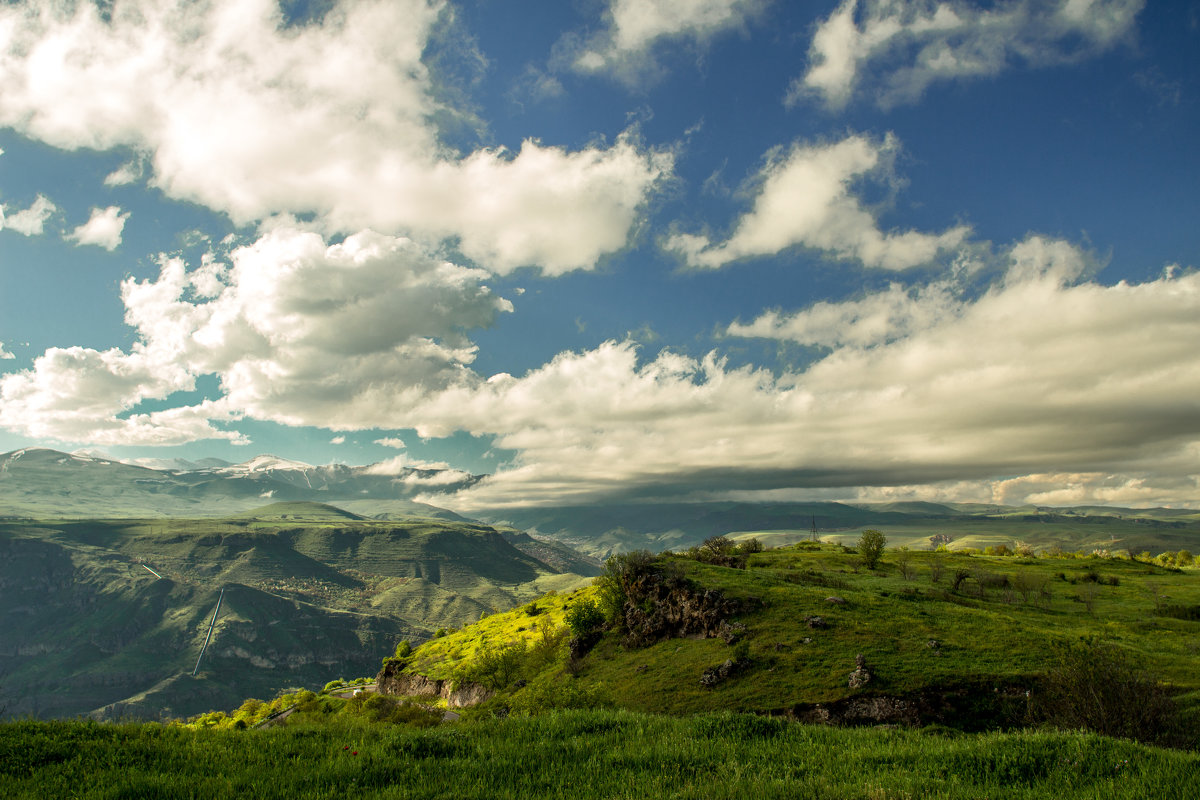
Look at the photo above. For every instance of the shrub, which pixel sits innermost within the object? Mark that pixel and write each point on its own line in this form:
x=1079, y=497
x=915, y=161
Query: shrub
x=337, y=683
x=620, y=572
x=497, y=667
x=753, y=545
x=1098, y=687
x=404, y=649
x=724, y=552
x=960, y=575
x=1029, y=585
x=870, y=547
x=937, y=567
x=583, y=617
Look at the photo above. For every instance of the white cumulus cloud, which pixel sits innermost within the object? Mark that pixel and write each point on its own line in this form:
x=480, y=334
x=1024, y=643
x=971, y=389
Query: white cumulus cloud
x=898, y=48
x=29, y=221
x=103, y=228
x=344, y=336
x=805, y=198
x=239, y=111
x=79, y=394
x=1045, y=373
x=634, y=27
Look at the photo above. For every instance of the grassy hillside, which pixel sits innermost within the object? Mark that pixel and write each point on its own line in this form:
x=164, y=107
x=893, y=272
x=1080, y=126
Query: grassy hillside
x=621, y=528
x=600, y=754
x=109, y=616
x=959, y=638
x=966, y=658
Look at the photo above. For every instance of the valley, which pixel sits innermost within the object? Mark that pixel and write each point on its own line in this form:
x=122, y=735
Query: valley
x=107, y=616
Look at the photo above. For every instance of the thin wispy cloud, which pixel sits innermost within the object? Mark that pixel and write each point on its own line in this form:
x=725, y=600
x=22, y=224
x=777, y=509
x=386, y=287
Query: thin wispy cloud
x=894, y=50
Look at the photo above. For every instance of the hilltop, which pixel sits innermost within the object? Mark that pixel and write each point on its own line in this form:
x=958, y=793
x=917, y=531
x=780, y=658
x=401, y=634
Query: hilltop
x=956, y=639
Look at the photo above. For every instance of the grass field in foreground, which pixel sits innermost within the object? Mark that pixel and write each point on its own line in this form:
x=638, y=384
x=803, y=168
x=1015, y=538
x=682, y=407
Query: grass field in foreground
x=594, y=754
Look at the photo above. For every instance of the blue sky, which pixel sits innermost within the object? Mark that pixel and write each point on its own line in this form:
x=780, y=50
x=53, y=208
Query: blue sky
x=610, y=249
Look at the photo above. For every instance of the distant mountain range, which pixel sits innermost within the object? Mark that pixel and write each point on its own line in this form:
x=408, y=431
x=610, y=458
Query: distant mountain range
x=602, y=530
x=41, y=483
x=37, y=482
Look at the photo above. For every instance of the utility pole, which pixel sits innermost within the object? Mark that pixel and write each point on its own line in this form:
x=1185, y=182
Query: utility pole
x=813, y=533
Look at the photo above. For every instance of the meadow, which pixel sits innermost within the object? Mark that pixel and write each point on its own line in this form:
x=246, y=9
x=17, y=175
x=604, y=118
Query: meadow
x=623, y=717
x=966, y=632
x=573, y=754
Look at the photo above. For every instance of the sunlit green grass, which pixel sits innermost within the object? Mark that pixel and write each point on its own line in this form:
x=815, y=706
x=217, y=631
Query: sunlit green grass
x=580, y=754
x=917, y=634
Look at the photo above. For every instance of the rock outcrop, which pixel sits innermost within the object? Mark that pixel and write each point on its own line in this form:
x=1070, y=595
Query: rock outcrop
x=861, y=675
x=662, y=607
x=393, y=681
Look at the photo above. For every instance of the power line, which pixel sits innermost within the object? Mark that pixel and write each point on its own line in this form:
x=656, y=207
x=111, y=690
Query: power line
x=211, y=625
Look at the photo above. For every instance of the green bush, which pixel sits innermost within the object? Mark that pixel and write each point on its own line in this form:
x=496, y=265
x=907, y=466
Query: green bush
x=1098, y=687
x=620, y=572
x=583, y=617
x=870, y=547
x=497, y=667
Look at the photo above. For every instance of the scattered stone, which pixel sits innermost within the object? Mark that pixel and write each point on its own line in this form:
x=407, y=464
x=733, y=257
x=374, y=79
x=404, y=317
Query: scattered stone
x=780, y=646
x=933, y=644
x=861, y=675
x=714, y=675
x=806, y=640
x=816, y=622
x=837, y=601
x=731, y=632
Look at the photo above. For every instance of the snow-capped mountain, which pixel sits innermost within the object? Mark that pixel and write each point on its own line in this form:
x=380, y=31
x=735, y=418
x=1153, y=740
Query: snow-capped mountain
x=46, y=482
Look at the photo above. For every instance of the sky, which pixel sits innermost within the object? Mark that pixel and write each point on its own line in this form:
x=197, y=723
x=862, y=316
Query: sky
x=613, y=250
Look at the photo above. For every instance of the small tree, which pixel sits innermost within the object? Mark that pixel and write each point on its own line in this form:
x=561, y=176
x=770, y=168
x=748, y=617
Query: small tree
x=870, y=547
x=937, y=567
x=583, y=617
x=905, y=564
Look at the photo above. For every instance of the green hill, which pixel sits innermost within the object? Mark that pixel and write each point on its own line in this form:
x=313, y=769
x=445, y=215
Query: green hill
x=108, y=616
x=949, y=638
